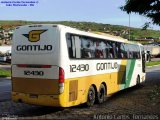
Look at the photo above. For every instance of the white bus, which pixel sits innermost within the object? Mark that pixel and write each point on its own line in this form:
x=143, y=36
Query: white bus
x=55, y=65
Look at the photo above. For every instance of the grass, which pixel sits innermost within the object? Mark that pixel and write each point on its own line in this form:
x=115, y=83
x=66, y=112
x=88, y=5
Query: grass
x=153, y=63
x=5, y=73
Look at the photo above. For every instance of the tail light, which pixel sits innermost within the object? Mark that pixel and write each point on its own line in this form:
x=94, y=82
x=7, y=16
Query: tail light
x=61, y=75
x=61, y=80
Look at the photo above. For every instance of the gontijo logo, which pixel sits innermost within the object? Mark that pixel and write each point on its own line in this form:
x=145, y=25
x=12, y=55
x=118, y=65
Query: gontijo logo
x=34, y=35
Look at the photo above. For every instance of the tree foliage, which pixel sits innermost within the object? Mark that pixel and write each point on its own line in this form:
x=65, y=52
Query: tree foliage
x=148, y=8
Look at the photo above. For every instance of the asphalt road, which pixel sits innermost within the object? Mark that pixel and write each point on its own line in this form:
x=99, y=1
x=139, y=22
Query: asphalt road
x=5, y=89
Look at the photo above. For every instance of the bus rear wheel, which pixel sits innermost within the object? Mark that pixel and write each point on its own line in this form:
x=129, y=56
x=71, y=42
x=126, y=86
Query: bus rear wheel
x=91, y=97
x=101, y=97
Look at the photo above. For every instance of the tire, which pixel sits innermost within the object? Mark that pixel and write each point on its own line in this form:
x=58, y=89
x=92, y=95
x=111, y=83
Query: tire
x=101, y=96
x=91, y=97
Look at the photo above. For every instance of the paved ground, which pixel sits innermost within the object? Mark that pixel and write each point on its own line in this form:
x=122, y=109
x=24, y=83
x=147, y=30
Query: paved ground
x=5, y=89
x=134, y=103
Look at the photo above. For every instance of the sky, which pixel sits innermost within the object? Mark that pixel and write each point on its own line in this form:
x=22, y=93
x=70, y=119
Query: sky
x=100, y=11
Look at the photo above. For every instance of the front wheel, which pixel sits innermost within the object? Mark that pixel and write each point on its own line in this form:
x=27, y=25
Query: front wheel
x=91, y=97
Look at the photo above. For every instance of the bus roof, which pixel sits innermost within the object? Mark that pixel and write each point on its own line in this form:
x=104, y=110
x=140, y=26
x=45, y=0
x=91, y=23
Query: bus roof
x=100, y=35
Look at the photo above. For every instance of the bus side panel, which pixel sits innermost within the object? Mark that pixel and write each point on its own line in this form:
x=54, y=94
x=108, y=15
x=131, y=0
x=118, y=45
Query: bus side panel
x=77, y=95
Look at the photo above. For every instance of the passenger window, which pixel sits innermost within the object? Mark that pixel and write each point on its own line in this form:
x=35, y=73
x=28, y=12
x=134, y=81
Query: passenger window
x=69, y=44
x=126, y=47
x=87, y=48
x=137, y=52
x=100, y=49
x=109, y=51
x=112, y=50
x=73, y=44
x=120, y=50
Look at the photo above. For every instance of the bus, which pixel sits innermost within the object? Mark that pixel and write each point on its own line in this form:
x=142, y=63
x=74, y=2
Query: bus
x=56, y=65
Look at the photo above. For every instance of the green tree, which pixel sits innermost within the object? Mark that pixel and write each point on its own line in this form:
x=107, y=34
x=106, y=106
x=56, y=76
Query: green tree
x=148, y=8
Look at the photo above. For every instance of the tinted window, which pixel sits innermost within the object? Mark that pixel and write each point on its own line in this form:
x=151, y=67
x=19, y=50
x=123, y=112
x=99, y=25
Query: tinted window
x=94, y=48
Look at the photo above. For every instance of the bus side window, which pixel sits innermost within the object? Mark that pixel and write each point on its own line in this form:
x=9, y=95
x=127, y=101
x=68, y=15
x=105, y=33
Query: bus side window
x=100, y=47
x=112, y=50
x=120, y=50
x=87, y=47
x=107, y=50
x=111, y=53
x=137, y=52
x=69, y=45
x=123, y=53
x=126, y=47
x=73, y=44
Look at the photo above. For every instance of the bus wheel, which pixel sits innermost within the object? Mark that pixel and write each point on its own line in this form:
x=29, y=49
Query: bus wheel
x=138, y=81
x=101, y=97
x=91, y=96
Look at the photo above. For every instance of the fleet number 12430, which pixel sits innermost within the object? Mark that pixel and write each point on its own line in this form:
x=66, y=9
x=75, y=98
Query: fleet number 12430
x=34, y=73
x=79, y=68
